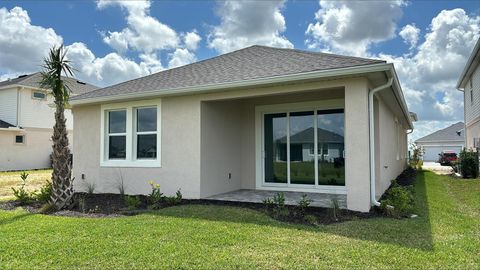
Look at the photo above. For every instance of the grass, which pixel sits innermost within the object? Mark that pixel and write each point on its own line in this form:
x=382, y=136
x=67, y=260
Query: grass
x=445, y=235
x=36, y=179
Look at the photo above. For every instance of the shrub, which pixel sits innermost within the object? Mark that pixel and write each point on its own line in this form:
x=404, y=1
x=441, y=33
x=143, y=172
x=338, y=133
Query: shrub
x=416, y=159
x=276, y=206
x=469, y=163
x=45, y=193
x=48, y=208
x=174, y=200
x=400, y=198
x=133, y=202
x=155, y=196
x=303, y=204
x=22, y=195
x=311, y=219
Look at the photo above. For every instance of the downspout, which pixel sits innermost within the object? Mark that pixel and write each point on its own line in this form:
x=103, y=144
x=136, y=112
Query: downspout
x=371, y=94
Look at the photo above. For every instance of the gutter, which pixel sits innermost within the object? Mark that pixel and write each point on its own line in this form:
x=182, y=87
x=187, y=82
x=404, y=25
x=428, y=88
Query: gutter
x=244, y=83
x=371, y=133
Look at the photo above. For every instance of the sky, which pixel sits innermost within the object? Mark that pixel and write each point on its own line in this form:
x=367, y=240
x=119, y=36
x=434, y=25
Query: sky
x=108, y=42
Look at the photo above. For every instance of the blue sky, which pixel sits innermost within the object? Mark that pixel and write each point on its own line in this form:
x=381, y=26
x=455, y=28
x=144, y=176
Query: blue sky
x=429, y=41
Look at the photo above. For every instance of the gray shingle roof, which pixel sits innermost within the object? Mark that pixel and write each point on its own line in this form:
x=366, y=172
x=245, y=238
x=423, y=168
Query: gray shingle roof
x=305, y=136
x=33, y=80
x=255, y=62
x=454, y=132
x=4, y=124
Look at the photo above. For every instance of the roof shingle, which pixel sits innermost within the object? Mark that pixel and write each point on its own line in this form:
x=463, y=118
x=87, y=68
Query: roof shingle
x=454, y=132
x=255, y=62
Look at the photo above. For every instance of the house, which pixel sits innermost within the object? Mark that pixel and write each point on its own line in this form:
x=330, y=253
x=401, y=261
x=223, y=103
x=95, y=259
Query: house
x=27, y=119
x=469, y=84
x=448, y=139
x=247, y=120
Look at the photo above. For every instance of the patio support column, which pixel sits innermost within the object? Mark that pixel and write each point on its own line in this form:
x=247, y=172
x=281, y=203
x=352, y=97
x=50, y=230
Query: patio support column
x=357, y=172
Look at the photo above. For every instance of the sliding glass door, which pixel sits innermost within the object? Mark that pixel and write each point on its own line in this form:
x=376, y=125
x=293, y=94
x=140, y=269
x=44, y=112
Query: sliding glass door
x=304, y=148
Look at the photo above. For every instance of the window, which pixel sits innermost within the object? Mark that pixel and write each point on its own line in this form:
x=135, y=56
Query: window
x=131, y=133
x=39, y=95
x=19, y=139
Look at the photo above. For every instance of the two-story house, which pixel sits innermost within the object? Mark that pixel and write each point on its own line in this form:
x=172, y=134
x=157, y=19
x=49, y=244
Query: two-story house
x=27, y=119
x=469, y=83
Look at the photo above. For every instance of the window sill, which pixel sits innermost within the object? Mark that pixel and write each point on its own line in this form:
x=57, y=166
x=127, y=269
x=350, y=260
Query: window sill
x=132, y=164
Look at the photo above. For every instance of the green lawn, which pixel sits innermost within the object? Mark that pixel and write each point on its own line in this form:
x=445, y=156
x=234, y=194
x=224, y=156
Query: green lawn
x=445, y=235
x=36, y=179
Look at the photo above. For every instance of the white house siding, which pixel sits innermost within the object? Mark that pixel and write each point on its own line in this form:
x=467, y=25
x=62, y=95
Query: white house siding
x=432, y=149
x=8, y=105
x=39, y=113
x=472, y=109
x=389, y=164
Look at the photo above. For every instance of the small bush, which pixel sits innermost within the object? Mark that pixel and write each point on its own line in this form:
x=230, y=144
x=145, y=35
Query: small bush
x=155, y=196
x=276, y=206
x=311, y=219
x=416, y=158
x=133, y=202
x=174, y=200
x=469, y=163
x=22, y=195
x=401, y=198
x=303, y=205
x=45, y=193
x=48, y=208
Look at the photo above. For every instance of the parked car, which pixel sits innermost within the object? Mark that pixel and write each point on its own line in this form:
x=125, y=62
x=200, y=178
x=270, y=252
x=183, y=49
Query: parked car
x=447, y=158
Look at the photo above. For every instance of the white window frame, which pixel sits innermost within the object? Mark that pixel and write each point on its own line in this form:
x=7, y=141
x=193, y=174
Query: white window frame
x=15, y=139
x=131, y=138
x=315, y=106
x=136, y=133
x=37, y=98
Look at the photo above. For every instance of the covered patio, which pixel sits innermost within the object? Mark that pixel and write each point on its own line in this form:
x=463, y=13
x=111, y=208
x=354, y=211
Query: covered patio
x=291, y=197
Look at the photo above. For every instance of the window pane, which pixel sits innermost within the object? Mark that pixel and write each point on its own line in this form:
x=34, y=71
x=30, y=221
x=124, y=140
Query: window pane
x=331, y=160
x=19, y=139
x=117, y=121
x=275, y=148
x=146, y=119
x=39, y=95
x=147, y=146
x=117, y=147
x=302, y=163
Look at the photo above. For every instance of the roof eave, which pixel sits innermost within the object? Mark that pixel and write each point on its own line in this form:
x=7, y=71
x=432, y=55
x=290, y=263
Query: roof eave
x=245, y=83
x=473, y=61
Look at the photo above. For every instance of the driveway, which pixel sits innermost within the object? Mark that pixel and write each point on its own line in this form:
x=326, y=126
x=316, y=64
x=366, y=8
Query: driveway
x=437, y=168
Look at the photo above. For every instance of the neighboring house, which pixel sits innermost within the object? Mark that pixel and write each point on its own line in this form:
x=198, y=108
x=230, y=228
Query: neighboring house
x=469, y=84
x=27, y=119
x=448, y=139
x=214, y=126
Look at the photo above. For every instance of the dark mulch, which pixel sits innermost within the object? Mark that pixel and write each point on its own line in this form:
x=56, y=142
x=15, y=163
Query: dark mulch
x=407, y=177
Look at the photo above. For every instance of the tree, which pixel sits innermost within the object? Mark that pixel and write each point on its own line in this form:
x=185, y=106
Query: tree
x=54, y=66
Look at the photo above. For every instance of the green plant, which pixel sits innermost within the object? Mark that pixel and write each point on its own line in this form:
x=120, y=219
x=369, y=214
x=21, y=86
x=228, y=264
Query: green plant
x=90, y=187
x=335, y=208
x=303, y=204
x=45, y=193
x=174, y=200
x=48, y=208
x=310, y=219
x=399, y=201
x=133, y=202
x=468, y=163
x=155, y=196
x=22, y=195
x=416, y=158
x=81, y=204
x=276, y=206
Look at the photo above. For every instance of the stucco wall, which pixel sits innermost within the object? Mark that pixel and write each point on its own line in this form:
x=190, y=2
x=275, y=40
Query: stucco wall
x=180, y=168
x=33, y=154
x=389, y=166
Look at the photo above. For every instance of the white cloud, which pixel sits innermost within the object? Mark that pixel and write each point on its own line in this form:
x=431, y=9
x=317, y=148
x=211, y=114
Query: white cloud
x=410, y=34
x=180, y=57
x=245, y=23
x=143, y=32
x=191, y=40
x=23, y=45
x=352, y=26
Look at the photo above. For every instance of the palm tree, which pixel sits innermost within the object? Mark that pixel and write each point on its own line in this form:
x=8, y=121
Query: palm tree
x=54, y=66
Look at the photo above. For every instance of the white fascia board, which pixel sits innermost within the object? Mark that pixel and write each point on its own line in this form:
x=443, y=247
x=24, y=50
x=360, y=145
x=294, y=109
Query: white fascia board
x=399, y=94
x=472, y=62
x=254, y=82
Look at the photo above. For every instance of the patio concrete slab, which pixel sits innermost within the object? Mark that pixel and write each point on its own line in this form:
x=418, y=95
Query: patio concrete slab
x=291, y=198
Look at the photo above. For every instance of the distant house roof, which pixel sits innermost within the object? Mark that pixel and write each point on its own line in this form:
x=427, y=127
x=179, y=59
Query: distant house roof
x=306, y=136
x=4, y=124
x=472, y=63
x=454, y=132
x=255, y=62
x=34, y=79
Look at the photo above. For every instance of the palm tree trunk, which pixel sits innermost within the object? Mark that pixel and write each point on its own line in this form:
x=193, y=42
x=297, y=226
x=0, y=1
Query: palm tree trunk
x=61, y=177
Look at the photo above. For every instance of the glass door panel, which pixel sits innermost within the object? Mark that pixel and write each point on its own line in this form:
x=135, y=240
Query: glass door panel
x=331, y=148
x=302, y=140
x=275, y=147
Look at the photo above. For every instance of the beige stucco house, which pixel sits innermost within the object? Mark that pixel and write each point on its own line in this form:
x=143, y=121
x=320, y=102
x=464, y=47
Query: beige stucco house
x=469, y=84
x=248, y=120
x=27, y=119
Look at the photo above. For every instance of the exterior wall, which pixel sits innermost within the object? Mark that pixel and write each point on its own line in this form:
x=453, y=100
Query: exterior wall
x=472, y=109
x=392, y=157
x=39, y=113
x=8, y=105
x=180, y=168
x=33, y=154
x=432, y=149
